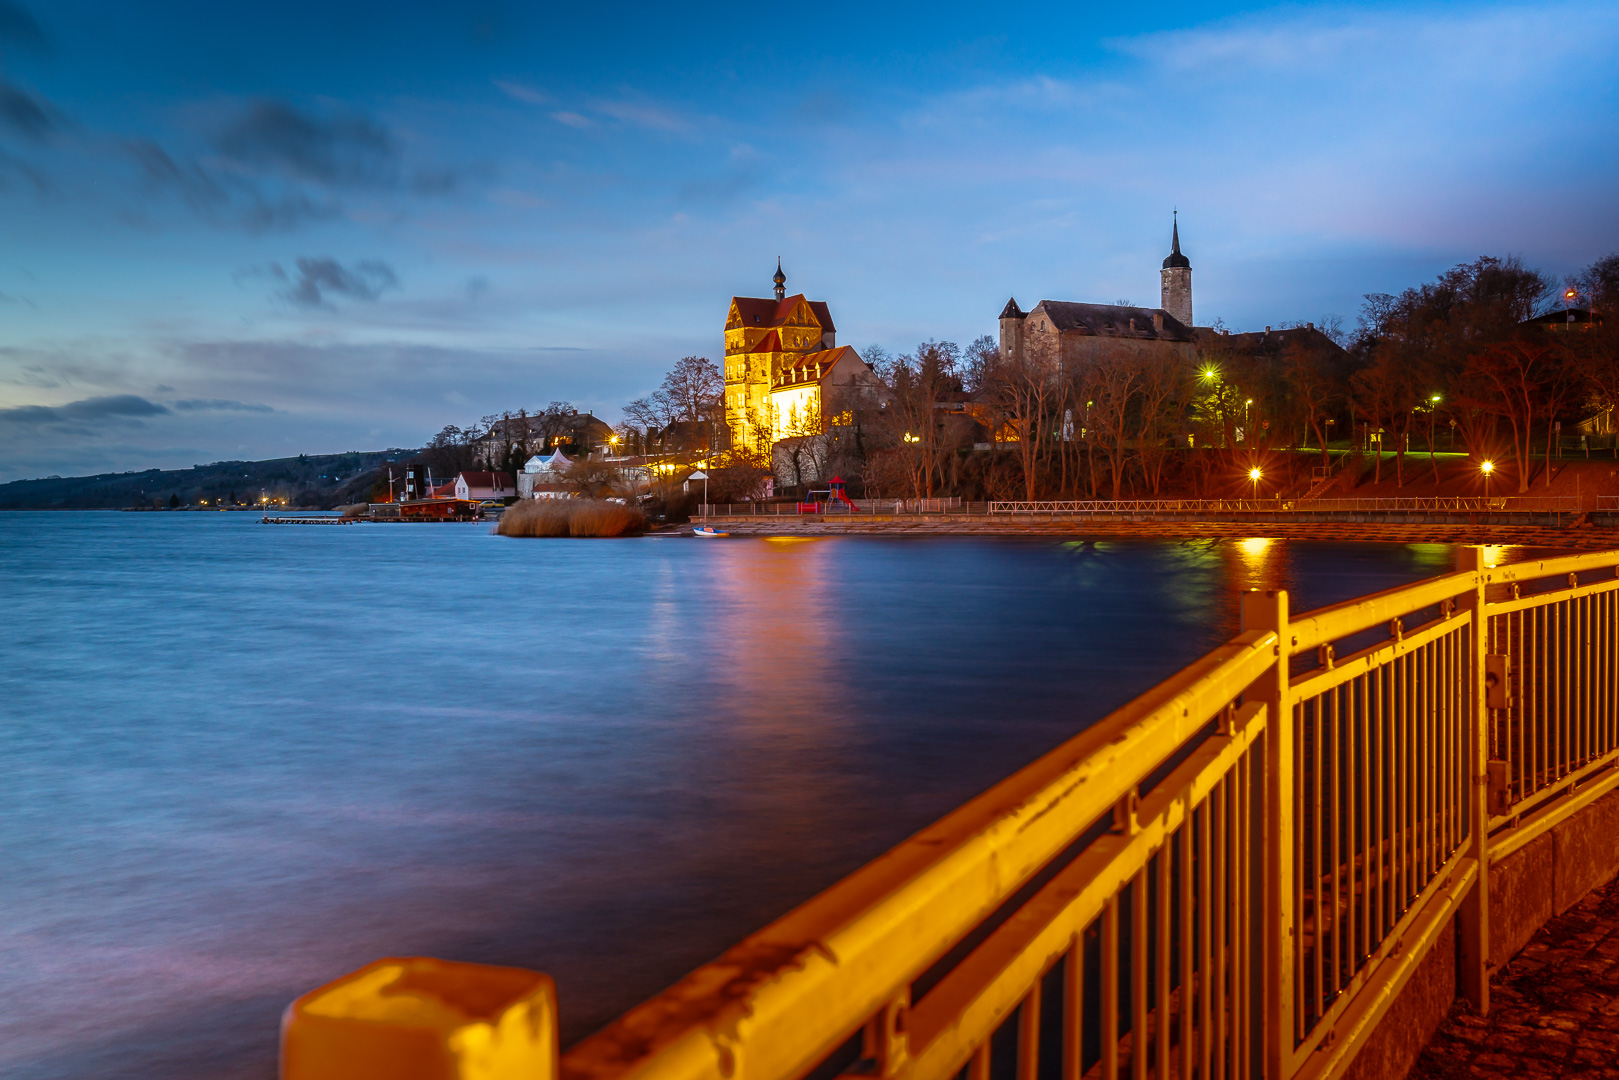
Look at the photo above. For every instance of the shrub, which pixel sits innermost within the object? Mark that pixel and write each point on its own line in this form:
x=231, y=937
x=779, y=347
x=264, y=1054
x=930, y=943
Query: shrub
x=570, y=517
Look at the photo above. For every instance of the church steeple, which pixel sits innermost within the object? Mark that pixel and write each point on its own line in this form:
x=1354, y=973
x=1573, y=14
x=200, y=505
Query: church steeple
x=1175, y=256
x=781, y=281
x=1177, y=279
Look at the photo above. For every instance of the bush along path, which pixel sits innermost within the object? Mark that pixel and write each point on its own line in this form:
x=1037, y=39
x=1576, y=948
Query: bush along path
x=1554, y=1010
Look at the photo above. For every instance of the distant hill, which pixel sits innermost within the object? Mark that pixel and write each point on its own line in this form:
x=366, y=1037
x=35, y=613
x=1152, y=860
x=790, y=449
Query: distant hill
x=311, y=481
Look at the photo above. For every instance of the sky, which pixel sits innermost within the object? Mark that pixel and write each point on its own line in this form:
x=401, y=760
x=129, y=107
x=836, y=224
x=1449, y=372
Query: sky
x=238, y=231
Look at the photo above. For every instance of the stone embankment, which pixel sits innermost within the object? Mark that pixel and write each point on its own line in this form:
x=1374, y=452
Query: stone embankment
x=1569, y=534
x=1554, y=1007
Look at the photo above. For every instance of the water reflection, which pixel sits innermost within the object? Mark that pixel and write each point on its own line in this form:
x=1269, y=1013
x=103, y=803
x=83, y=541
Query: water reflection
x=610, y=772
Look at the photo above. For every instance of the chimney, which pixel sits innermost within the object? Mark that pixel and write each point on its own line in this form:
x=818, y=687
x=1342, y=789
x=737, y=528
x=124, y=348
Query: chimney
x=1158, y=321
x=1267, y=329
x=1309, y=326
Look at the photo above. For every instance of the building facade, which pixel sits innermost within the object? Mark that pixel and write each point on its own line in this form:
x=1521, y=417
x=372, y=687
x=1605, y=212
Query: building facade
x=784, y=370
x=1066, y=336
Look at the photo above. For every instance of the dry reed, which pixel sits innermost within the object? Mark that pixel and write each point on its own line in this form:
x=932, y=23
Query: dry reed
x=570, y=517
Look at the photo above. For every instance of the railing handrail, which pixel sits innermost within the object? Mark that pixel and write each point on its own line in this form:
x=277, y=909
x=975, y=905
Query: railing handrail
x=1414, y=504
x=813, y=976
x=777, y=1004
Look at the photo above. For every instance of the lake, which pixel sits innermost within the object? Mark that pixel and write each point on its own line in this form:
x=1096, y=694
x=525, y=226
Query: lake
x=242, y=760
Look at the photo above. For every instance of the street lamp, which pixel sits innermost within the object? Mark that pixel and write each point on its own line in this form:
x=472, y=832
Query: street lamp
x=1254, y=474
x=1247, y=435
x=1487, y=468
x=703, y=476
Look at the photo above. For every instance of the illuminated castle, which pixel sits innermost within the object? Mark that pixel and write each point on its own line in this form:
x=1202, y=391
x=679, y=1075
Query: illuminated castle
x=781, y=360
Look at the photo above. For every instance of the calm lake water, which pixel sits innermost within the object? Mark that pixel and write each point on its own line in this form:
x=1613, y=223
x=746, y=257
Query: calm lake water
x=239, y=761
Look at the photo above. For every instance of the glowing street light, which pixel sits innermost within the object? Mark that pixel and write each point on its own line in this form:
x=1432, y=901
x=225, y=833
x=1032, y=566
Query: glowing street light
x=1254, y=474
x=1487, y=467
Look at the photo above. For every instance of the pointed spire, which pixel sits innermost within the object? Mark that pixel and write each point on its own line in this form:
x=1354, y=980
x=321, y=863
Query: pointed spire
x=1176, y=259
x=781, y=280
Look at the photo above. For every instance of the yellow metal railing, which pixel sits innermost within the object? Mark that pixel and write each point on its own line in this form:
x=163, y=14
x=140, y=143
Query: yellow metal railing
x=1231, y=876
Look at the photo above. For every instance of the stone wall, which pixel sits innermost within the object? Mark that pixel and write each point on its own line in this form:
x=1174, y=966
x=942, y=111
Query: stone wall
x=1544, y=878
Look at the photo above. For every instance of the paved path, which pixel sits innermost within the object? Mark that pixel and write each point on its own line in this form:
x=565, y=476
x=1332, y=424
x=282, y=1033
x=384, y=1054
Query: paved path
x=1554, y=1008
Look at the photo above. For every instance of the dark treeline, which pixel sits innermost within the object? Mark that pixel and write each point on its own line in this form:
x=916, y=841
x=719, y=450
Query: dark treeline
x=1493, y=359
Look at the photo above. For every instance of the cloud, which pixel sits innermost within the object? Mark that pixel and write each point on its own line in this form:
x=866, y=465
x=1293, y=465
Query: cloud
x=642, y=115
x=222, y=197
x=218, y=405
x=572, y=119
x=321, y=278
x=526, y=94
x=86, y=410
x=19, y=27
x=344, y=151
x=26, y=115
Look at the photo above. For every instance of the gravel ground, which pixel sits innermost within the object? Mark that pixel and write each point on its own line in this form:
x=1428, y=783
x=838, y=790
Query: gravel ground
x=1554, y=1010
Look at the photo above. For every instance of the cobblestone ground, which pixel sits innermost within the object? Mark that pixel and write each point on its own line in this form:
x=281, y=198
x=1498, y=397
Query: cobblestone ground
x=1554, y=1010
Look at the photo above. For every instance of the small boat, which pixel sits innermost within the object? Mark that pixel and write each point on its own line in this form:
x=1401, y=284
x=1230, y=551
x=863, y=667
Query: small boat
x=708, y=530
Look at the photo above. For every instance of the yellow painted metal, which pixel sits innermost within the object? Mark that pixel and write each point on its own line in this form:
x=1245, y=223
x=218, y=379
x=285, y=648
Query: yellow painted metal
x=777, y=1003
x=1472, y=969
x=1264, y=902
x=981, y=992
x=414, y=1018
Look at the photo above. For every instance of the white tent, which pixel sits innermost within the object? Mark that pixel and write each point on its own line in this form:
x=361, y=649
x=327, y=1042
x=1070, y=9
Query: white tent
x=556, y=463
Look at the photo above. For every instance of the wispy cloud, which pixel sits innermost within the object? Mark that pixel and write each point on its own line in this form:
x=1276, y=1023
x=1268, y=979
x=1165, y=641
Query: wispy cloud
x=218, y=405
x=526, y=94
x=87, y=410
x=319, y=279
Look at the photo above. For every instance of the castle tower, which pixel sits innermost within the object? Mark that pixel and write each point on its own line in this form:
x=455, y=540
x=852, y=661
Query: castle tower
x=781, y=281
x=1012, y=318
x=1177, y=280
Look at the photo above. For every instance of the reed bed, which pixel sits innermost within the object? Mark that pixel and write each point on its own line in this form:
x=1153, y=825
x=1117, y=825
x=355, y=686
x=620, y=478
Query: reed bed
x=570, y=517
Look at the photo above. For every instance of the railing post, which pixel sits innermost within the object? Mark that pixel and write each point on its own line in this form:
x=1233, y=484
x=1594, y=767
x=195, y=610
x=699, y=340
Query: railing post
x=1473, y=975
x=1267, y=610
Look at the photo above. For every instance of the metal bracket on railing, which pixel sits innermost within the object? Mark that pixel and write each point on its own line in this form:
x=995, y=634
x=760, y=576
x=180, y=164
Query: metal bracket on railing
x=1515, y=590
x=1226, y=723
x=1397, y=628
x=1328, y=1041
x=1574, y=581
x=1497, y=682
x=885, y=1043
x=1497, y=774
x=1125, y=821
x=1447, y=608
x=1324, y=656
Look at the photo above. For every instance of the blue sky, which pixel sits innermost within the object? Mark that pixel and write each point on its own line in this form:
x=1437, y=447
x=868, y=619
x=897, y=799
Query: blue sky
x=241, y=231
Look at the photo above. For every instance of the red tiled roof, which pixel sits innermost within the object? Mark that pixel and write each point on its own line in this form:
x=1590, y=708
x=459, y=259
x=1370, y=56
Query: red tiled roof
x=767, y=311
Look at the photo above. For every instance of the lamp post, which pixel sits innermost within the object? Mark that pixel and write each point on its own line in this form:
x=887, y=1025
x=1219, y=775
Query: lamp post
x=1247, y=434
x=703, y=476
x=1254, y=475
x=1487, y=468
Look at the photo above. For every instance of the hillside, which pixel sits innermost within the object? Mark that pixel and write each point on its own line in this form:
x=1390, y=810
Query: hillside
x=311, y=481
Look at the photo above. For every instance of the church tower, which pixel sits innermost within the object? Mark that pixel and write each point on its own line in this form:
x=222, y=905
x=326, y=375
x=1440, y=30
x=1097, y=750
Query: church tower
x=1177, y=286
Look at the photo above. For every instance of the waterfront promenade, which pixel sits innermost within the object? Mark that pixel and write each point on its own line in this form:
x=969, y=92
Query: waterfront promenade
x=1572, y=532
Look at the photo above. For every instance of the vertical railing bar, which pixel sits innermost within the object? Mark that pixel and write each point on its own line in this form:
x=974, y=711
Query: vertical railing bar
x=1364, y=946
x=1375, y=761
x=1245, y=911
x=1335, y=845
x=1473, y=743
x=1139, y=938
x=1318, y=918
x=1240, y=910
x=1205, y=950
x=978, y=1067
x=1295, y=797
x=1073, y=1004
x=1028, y=1035
x=1183, y=847
x=1219, y=802
x=1161, y=1002
x=1110, y=989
